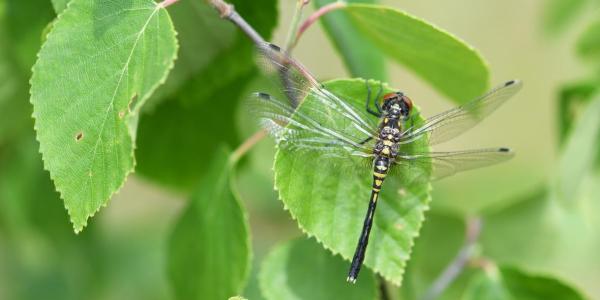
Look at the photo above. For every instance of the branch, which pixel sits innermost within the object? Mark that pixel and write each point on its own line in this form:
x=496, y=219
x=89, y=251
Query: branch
x=167, y=3
x=247, y=145
x=290, y=41
x=383, y=291
x=473, y=229
x=315, y=16
x=227, y=11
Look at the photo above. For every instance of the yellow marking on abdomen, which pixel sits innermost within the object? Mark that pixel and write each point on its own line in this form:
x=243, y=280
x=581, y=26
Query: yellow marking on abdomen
x=378, y=182
x=378, y=175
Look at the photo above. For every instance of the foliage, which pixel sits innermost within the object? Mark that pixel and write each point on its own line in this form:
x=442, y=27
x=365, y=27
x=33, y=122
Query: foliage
x=198, y=93
x=361, y=57
x=448, y=64
x=284, y=274
x=331, y=207
x=209, y=251
x=99, y=64
x=122, y=86
x=506, y=283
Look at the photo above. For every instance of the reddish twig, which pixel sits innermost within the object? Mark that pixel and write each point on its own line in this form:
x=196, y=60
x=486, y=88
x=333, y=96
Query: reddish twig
x=247, y=145
x=290, y=41
x=167, y=3
x=316, y=15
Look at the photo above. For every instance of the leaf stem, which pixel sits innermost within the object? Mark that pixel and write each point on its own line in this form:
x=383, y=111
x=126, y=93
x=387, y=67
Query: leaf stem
x=383, y=291
x=247, y=145
x=167, y=3
x=227, y=11
x=457, y=265
x=315, y=16
x=290, y=41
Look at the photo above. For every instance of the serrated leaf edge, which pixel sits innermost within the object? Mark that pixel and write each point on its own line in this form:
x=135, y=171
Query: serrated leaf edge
x=348, y=258
x=77, y=229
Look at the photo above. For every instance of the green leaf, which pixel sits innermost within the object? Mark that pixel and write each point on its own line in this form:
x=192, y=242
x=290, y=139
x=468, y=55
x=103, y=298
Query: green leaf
x=329, y=196
x=579, y=154
x=454, y=68
x=571, y=103
x=588, y=44
x=209, y=249
x=361, y=57
x=24, y=209
x=536, y=233
x=506, y=283
x=202, y=35
x=182, y=128
x=439, y=242
x=101, y=61
x=197, y=114
x=558, y=14
x=527, y=235
x=59, y=5
x=301, y=269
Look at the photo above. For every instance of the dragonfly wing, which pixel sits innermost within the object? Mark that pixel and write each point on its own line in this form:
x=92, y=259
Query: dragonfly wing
x=304, y=128
x=449, y=124
x=438, y=165
x=310, y=117
x=297, y=83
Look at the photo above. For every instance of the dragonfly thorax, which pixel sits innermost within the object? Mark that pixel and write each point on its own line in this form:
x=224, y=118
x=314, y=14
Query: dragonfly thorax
x=387, y=142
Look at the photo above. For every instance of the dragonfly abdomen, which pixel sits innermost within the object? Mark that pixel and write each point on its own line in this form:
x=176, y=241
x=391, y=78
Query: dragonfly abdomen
x=381, y=167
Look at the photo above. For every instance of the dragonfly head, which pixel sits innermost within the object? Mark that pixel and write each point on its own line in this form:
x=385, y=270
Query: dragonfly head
x=397, y=104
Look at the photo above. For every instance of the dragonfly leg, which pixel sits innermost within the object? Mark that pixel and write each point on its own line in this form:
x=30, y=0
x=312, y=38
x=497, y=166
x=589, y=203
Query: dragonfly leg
x=366, y=140
x=376, y=102
x=369, y=110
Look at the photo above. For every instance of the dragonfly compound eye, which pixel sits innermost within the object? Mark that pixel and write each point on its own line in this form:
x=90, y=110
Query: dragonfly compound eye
x=406, y=105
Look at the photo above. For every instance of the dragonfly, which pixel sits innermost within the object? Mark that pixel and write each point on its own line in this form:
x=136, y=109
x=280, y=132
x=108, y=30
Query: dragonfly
x=379, y=133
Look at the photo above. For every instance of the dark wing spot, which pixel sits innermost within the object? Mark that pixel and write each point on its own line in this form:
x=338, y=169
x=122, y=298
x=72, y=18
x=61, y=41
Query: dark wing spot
x=275, y=47
x=79, y=136
x=504, y=150
x=509, y=83
x=263, y=95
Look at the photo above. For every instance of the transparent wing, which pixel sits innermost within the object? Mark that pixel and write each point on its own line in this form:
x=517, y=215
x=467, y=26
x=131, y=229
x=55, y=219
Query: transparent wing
x=437, y=165
x=307, y=128
x=324, y=122
x=449, y=124
x=297, y=83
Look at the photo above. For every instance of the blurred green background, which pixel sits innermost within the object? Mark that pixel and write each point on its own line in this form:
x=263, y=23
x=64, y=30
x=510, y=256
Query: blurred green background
x=122, y=253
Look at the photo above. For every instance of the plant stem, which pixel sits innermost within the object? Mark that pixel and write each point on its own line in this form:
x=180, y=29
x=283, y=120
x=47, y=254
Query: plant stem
x=293, y=30
x=315, y=16
x=227, y=11
x=247, y=145
x=456, y=266
x=383, y=291
x=167, y=3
